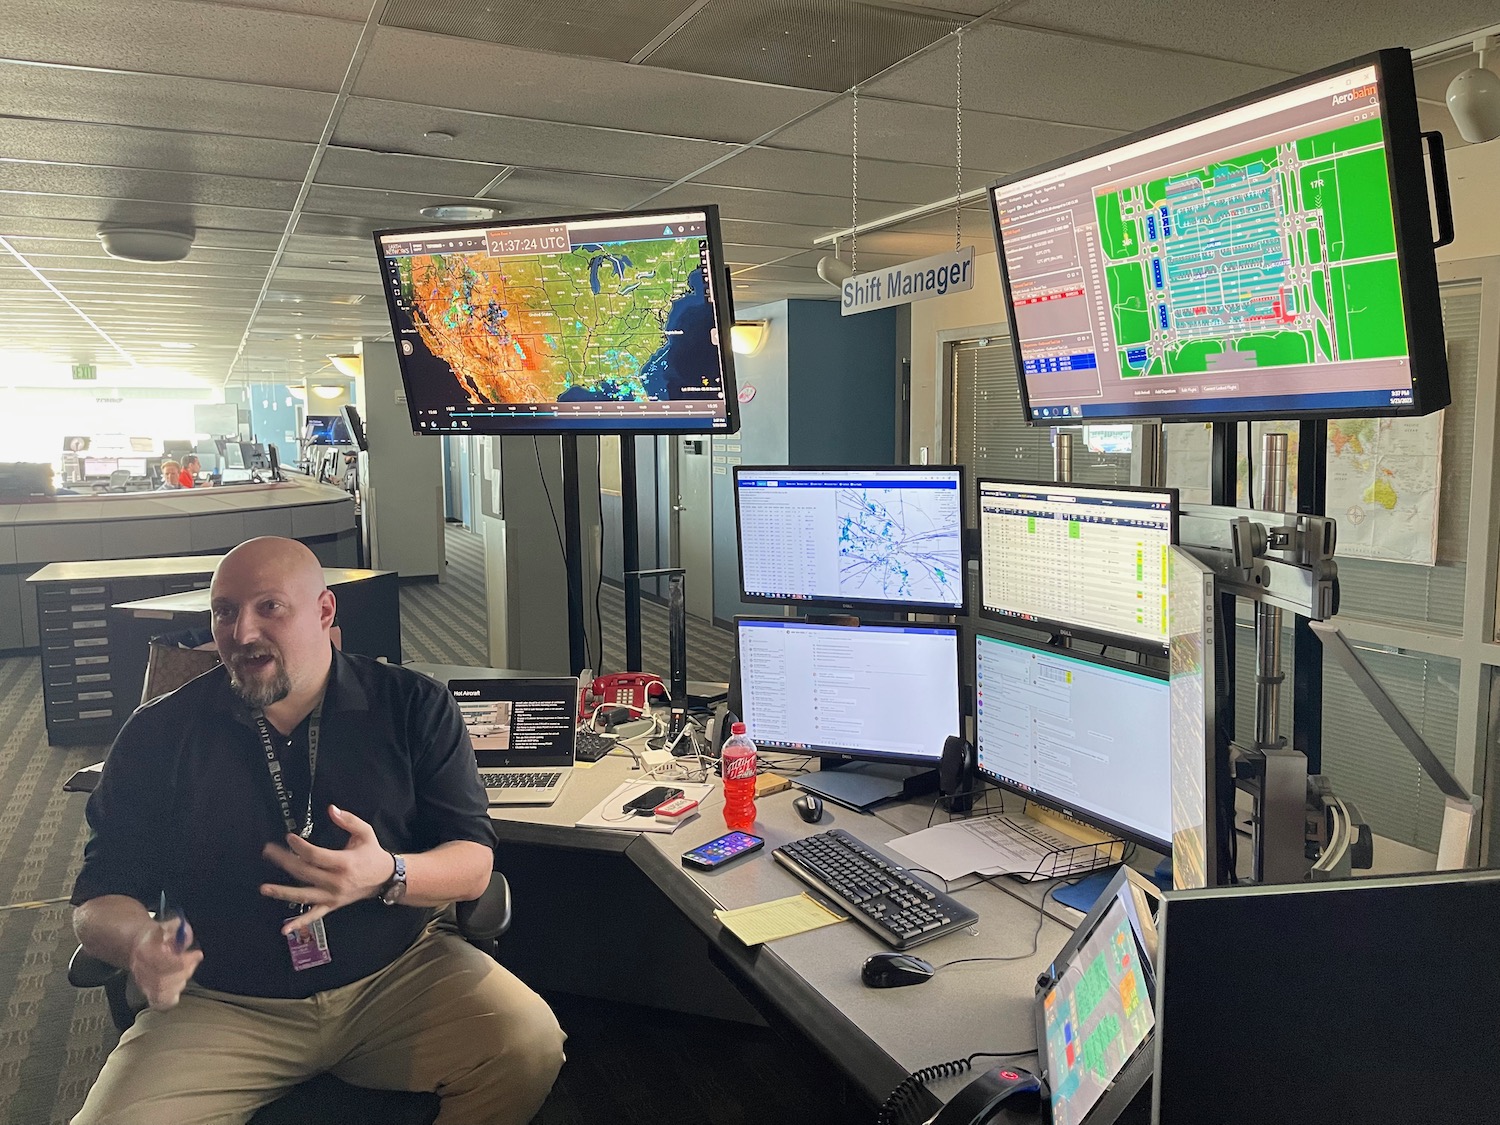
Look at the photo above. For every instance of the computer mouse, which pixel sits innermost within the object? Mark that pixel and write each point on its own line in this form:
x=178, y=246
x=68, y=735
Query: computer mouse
x=809, y=807
x=894, y=970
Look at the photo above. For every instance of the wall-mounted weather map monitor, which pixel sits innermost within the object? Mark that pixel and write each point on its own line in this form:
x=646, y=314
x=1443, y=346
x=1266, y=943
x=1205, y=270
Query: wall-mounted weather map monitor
x=883, y=538
x=584, y=324
x=1082, y=561
x=1271, y=257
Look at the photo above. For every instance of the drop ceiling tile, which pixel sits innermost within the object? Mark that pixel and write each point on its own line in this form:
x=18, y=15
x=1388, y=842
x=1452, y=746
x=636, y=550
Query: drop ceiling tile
x=822, y=173
x=752, y=232
x=1299, y=37
x=1048, y=76
x=145, y=213
x=72, y=142
x=45, y=254
x=765, y=206
x=390, y=126
x=349, y=167
x=355, y=10
x=925, y=134
x=143, y=184
x=191, y=104
x=183, y=38
x=571, y=27
x=412, y=66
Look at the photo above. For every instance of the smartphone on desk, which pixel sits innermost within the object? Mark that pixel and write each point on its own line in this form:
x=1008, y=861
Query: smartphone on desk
x=718, y=852
x=645, y=804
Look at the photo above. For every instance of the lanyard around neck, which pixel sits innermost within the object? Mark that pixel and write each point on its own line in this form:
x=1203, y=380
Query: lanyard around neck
x=273, y=764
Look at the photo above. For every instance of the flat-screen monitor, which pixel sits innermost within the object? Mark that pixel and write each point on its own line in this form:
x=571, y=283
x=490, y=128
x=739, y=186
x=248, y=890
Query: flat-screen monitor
x=99, y=466
x=1190, y=677
x=605, y=323
x=234, y=457
x=1081, y=561
x=1078, y=734
x=135, y=466
x=1095, y=1009
x=1269, y=257
x=885, y=538
x=355, y=426
x=1395, y=978
x=326, y=429
x=880, y=693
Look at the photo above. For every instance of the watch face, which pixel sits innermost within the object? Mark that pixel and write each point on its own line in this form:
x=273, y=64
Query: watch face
x=394, y=894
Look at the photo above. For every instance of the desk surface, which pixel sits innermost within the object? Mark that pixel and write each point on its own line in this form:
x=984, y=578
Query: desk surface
x=196, y=601
x=877, y=1034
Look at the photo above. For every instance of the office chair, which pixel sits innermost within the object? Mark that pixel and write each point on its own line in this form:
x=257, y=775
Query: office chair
x=118, y=480
x=322, y=1098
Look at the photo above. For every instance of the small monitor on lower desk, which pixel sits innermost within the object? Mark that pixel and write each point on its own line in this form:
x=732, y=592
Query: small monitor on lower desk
x=882, y=698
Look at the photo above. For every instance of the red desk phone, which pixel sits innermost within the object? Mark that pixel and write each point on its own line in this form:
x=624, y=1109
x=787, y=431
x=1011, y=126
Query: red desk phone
x=633, y=689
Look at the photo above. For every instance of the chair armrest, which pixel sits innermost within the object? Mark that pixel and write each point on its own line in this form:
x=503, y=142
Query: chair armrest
x=87, y=971
x=488, y=916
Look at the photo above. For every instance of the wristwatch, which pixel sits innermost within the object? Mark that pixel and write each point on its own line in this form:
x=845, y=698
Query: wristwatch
x=394, y=889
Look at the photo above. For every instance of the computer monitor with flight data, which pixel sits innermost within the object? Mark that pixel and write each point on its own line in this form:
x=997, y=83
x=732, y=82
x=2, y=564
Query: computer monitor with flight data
x=882, y=538
x=1077, y=560
x=879, y=693
x=1079, y=734
x=603, y=323
x=1269, y=257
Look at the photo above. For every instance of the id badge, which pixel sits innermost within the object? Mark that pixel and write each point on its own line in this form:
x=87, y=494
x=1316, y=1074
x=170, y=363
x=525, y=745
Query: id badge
x=309, y=946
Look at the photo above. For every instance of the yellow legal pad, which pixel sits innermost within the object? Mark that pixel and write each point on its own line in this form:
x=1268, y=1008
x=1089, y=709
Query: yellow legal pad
x=780, y=918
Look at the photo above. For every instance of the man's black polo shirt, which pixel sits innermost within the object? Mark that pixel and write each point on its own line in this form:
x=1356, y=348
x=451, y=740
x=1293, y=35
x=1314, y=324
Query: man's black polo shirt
x=186, y=804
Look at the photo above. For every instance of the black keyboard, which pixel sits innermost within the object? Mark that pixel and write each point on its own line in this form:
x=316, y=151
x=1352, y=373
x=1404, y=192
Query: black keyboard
x=591, y=745
x=900, y=909
x=535, y=780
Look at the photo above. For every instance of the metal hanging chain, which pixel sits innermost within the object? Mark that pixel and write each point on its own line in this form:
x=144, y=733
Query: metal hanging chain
x=958, y=186
x=854, y=193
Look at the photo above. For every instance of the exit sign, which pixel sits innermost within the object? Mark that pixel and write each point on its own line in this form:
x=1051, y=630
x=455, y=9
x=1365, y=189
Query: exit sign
x=85, y=371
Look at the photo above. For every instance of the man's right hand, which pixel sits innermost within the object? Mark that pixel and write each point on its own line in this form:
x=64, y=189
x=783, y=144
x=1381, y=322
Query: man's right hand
x=160, y=965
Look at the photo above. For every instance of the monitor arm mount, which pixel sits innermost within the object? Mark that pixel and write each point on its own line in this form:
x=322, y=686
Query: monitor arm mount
x=1280, y=562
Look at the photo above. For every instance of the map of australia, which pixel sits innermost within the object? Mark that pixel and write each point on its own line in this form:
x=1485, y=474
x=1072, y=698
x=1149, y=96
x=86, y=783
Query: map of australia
x=623, y=321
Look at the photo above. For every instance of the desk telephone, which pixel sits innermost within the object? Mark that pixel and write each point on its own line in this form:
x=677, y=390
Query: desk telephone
x=633, y=689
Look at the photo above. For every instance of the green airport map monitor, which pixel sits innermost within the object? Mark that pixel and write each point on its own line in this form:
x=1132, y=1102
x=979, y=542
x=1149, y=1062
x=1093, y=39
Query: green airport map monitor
x=1269, y=257
x=586, y=324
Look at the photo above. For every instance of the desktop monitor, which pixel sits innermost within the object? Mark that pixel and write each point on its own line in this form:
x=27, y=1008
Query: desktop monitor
x=325, y=429
x=135, y=466
x=1078, y=734
x=879, y=538
x=877, y=693
x=99, y=466
x=1190, y=680
x=1269, y=257
x=584, y=324
x=234, y=457
x=1357, y=1000
x=1076, y=560
x=355, y=426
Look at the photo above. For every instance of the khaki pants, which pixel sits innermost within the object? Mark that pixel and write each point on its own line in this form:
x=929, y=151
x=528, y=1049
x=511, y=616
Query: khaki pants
x=443, y=1016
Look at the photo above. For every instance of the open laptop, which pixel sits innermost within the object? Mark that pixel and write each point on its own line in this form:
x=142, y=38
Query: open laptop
x=523, y=732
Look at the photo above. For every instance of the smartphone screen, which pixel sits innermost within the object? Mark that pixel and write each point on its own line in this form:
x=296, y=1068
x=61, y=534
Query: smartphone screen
x=647, y=801
x=722, y=850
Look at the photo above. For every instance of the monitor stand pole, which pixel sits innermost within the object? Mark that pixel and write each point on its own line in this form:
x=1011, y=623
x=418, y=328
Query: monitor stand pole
x=630, y=535
x=573, y=555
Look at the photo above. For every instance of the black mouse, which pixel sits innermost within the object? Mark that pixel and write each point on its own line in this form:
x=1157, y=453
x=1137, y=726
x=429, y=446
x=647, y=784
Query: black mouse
x=893, y=970
x=809, y=807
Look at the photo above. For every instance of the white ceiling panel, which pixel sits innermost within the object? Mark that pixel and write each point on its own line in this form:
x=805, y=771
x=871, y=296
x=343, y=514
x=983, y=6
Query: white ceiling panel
x=144, y=184
x=767, y=206
x=334, y=9
x=388, y=126
x=48, y=254
x=824, y=173
x=191, y=104
x=1052, y=77
x=412, y=66
x=182, y=38
x=141, y=212
x=45, y=230
x=1296, y=37
x=347, y=167
x=906, y=131
x=111, y=146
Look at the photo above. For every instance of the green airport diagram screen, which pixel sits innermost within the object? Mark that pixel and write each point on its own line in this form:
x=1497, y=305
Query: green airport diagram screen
x=1285, y=254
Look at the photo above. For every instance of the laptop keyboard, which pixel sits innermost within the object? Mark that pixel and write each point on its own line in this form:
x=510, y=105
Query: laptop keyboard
x=536, y=779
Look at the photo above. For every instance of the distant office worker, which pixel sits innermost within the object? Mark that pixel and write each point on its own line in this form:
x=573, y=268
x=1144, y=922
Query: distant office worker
x=301, y=812
x=191, y=467
x=171, y=476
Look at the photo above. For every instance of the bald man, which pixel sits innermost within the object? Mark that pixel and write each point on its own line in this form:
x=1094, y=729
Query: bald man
x=302, y=813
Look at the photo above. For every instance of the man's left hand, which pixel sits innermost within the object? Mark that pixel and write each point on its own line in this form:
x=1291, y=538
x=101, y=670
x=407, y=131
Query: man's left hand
x=331, y=878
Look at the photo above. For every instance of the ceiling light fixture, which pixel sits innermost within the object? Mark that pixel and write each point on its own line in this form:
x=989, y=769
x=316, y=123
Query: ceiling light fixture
x=441, y=136
x=1474, y=97
x=145, y=244
x=328, y=390
x=351, y=364
x=176, y=345
x=746, y=337
x=460, y=212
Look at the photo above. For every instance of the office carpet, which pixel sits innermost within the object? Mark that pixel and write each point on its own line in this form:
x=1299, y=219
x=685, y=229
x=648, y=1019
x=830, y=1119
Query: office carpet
x=626, y=1065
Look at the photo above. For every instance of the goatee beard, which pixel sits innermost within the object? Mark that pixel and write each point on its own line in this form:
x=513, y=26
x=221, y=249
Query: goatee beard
x=261, y=693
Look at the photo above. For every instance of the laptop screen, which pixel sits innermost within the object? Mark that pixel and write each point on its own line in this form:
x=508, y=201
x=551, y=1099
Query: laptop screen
x=525, y=722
